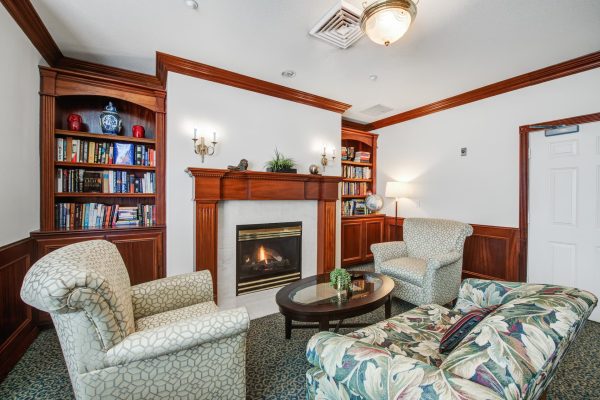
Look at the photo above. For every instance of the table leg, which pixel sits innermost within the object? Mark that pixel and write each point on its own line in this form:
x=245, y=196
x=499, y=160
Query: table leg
x=388, y=307
x=288, y=327
x=323, y=325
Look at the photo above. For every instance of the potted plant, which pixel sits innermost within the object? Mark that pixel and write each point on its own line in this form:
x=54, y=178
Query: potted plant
x=340, y=279
x=281, y=163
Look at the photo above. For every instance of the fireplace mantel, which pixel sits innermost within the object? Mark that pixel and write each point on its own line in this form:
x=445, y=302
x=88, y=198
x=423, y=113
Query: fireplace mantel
x=214, y=185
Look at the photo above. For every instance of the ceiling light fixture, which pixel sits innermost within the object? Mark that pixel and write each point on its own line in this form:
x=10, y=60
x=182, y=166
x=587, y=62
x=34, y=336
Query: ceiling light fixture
x=386, y=21
x=193, y=4
x=288, y=73
x=373, y=77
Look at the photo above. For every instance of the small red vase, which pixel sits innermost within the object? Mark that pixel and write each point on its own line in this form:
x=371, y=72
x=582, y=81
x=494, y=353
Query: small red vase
x=74, y=121
x=138, y=131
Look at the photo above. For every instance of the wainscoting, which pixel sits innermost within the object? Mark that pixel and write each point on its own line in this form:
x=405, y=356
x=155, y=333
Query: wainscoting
x=492, y=252
x=17, y=327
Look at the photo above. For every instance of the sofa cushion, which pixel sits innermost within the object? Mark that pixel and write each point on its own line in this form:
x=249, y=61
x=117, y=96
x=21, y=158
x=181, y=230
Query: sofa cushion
x=406, y=269
x=180, y=314
x=415, y=333
x=462, y=327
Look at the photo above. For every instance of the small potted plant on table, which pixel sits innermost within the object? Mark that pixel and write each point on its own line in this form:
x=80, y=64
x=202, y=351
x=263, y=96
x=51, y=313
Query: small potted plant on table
x=340, y=280
x=281, y=163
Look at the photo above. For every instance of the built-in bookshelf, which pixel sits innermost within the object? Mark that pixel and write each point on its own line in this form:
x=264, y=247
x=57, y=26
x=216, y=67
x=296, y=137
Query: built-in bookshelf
x=359, y=156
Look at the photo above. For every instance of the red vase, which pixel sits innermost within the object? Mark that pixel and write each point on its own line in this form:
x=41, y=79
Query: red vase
x=138, y=131
x=74, y=121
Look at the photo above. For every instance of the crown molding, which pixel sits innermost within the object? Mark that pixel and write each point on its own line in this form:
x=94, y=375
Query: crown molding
x=356, y=125
x=32, y=25
x=570, y=67
x=167, y=62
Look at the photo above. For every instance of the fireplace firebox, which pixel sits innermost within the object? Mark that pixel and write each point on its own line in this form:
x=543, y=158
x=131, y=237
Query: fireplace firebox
x=268, y=256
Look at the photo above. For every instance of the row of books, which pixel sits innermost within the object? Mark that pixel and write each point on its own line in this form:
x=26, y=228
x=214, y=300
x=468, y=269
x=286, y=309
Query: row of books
x=95, y=215
x=108, y=181
x=85, y=151
x=348, y=154
x=355, y=207
x=354, y=188
x=349, y=171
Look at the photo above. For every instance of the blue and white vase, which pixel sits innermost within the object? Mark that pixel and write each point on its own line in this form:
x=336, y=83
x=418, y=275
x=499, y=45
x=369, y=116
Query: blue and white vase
x=110, y=121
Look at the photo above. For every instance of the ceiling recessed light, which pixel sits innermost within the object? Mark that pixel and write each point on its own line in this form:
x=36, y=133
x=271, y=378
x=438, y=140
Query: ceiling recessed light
x=288, y=73
x=373, y=77
x=193, y=4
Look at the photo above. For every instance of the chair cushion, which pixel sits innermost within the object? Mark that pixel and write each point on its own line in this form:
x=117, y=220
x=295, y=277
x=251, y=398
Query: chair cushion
x=462, y=327
x=415, y=333
x=406, y=269
x=181, y=314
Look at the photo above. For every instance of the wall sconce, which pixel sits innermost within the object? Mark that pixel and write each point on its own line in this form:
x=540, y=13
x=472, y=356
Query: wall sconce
x=325, y=159
x=201, y=148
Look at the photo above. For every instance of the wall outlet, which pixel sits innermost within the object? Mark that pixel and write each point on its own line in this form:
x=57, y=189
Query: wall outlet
x=463, y=151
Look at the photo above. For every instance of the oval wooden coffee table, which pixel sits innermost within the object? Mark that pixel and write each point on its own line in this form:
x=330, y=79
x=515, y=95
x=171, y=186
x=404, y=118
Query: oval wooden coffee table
x=312, y=299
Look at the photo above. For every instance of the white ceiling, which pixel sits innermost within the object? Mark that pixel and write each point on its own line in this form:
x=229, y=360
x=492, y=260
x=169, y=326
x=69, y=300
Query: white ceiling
x=453, y=46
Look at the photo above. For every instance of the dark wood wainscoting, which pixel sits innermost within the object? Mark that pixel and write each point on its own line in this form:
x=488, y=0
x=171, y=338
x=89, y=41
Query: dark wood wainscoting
x=492, y=252
x=17, y=328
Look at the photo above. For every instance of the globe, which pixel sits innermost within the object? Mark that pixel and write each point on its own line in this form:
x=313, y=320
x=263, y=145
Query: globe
x=374, y=202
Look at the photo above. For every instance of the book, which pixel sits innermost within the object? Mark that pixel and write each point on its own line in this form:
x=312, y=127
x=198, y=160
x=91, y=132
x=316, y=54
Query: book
x=124, y=153
x=92, y=182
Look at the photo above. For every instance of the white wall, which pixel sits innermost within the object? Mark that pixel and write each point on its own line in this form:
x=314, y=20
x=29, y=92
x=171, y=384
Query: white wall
x=248, y=125
x=19, y=133
x=481, y=188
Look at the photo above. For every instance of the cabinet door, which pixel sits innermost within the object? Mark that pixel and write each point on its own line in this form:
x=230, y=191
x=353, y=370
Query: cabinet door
x=373, y=234
x=142, y=254
x=352, y=242
x=48, y=245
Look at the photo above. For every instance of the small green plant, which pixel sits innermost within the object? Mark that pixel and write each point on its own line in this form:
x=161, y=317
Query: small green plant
x=340, y=279
x=280, y=162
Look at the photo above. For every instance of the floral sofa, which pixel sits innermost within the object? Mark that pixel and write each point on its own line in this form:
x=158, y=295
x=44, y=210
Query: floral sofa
x=512, y=354
x=164, y=339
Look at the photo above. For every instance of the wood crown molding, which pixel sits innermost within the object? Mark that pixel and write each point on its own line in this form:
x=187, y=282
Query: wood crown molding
x=32, y=25
x=167, y=62
x=570, y=67
x=356, y=125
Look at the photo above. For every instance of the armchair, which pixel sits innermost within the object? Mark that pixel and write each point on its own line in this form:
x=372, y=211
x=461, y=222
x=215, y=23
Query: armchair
x=427, y=266
x=160, y=339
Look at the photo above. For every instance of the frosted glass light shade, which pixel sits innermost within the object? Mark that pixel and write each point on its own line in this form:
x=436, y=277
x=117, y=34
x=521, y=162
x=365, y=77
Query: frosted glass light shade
x=386, y=21
x=397, y=190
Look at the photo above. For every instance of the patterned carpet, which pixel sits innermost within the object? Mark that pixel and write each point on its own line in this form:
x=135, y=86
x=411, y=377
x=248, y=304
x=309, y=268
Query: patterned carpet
x=276, y=366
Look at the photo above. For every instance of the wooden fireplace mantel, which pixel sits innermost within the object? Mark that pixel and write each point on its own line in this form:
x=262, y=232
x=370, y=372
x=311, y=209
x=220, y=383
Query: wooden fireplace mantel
x=214, y=185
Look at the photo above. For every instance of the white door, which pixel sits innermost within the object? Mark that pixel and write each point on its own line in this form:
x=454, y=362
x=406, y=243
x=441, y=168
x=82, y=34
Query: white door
x=564, y=210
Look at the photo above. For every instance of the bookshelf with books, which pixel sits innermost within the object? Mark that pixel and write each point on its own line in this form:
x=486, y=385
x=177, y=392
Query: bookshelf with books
x=360, y=227
x=102, y=186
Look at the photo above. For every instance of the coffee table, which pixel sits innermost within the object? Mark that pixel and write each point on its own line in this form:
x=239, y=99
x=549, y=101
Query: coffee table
x=312, y=299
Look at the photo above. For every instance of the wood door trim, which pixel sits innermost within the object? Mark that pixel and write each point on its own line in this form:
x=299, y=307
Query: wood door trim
x=524, y=132
x=560, y=70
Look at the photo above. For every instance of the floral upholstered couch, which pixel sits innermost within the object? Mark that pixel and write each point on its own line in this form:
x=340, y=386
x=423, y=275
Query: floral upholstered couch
x=512, y=354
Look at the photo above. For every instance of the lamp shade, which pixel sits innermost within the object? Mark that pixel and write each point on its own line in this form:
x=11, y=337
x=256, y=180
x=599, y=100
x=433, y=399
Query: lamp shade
x=397, y=190
x=386, y=21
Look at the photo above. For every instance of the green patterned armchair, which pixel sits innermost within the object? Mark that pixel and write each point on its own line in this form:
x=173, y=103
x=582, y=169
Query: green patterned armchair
x=427, y=266
x=157, y=340
x=512, y=354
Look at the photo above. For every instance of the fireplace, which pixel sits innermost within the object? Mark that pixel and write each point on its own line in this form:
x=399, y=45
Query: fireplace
x=268, y=256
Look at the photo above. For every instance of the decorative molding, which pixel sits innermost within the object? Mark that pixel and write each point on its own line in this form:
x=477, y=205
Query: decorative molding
x=167, y=62
x=32, y=25
x=524, y=131
x=570, y=67
x=356, y=125
x=492, y=252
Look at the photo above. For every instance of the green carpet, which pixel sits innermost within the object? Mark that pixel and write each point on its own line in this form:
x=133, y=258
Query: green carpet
x=276, y=366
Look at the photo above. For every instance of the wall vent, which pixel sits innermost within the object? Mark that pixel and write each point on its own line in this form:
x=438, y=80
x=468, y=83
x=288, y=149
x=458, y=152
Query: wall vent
x=377, y=110
x=340, y=26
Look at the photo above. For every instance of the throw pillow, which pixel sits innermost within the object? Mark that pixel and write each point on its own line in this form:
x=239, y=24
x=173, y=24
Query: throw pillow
x=462, y=327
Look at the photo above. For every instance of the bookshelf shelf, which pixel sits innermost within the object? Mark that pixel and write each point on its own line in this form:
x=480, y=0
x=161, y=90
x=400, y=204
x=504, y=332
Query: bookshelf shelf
x=66, y=164
x=106, y=195
x=354, y=196
x=104, y=137
x=356, y=180
x=357, y=164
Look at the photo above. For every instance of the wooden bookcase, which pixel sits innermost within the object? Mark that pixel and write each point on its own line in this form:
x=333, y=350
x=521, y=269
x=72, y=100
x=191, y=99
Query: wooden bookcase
x=64, y=92
x=360, y=231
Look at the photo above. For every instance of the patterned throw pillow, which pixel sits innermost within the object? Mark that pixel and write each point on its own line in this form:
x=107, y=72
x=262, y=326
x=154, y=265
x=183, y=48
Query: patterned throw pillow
x=462, y=327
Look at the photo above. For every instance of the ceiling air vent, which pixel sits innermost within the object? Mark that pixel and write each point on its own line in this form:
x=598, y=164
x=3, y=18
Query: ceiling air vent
x=340, y=26
x=377, y=110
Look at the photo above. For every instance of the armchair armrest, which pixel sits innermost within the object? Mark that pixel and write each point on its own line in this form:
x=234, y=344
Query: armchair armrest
x=388, y=251
x=373, y=372
x=178, y=336
x=171, y=293
x=441, y=260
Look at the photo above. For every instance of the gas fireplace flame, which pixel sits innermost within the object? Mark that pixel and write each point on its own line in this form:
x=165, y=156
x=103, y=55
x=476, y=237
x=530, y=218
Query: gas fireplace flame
x=262, y=254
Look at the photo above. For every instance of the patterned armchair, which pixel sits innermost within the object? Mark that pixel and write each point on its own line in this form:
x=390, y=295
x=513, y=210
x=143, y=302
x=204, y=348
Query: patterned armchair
x=427, y=266
x=511, y=354
x=161, y=339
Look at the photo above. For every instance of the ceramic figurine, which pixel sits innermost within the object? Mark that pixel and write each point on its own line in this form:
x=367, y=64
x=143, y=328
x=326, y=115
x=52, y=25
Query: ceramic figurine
x=242, y=166
x=74, y=121
x=110, y=122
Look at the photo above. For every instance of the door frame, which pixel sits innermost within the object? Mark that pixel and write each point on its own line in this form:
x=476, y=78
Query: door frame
x=524, y=132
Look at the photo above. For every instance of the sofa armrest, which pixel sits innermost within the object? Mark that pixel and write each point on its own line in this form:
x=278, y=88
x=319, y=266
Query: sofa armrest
x=478, y=293
x=178, y=336
x=388, y=251
x=171, y=293
x=442, y=260
x=372, y=372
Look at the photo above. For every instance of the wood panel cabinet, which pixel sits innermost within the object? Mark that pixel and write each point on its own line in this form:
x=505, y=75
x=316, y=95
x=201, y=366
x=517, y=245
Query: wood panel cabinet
x=358, y=234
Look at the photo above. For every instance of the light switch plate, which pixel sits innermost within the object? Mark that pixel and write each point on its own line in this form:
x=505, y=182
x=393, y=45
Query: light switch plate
x=463, y=151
